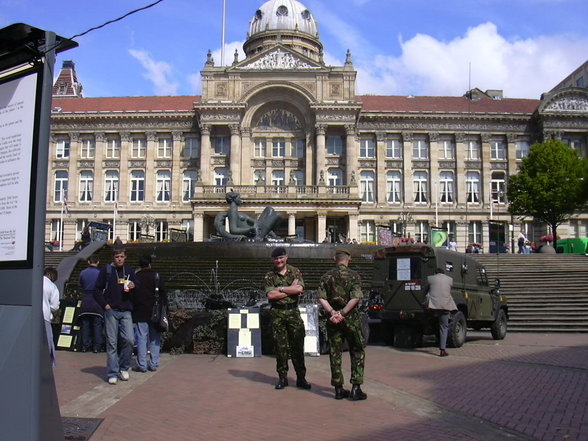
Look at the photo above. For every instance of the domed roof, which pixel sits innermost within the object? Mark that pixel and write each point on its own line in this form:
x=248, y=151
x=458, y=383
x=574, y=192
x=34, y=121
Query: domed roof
x=283, y=15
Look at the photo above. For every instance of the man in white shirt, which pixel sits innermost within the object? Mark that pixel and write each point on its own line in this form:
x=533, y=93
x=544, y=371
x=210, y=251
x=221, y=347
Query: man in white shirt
x=50, y=305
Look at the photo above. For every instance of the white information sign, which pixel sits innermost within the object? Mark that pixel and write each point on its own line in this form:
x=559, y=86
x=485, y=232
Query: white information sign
x=17, y=119
x=403, y=268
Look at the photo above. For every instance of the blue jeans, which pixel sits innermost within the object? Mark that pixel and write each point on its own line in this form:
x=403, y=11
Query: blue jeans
x=148, y=338
x=92, y=338
x=119, y=332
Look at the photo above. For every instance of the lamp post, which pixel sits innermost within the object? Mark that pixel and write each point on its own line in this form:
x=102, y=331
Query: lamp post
x=146, y=223
x=404, y=218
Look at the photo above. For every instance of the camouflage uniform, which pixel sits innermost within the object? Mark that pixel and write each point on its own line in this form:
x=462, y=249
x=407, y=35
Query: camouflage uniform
x=338, y=286
x=287, y=325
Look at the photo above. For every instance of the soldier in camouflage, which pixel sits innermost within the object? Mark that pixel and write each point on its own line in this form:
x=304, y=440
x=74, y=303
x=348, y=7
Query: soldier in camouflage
x=339, y=293
x=283, y=285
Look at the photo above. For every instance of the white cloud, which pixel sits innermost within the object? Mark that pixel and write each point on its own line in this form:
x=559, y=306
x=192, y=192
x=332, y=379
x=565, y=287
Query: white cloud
x=427, y=66
x=158, y=72
x=229, y=53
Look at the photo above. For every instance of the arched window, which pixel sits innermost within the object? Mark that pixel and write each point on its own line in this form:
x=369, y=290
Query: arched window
x=111, y=186
x=420, y=184
x=86, y=186
x=137, y=186
x=473, y=187
x=446, y=184
x=61, y=184
x=366, y=182
x=188, y=185
x=394, y=186
x=163, y=184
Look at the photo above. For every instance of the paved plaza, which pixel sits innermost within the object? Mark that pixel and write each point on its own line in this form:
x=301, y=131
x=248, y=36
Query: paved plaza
x=526, y=387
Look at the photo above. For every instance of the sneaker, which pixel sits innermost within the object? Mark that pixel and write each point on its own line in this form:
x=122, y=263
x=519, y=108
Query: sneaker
x=112, y=380
x=124, y=375
x=152, y=369
x=136, y=369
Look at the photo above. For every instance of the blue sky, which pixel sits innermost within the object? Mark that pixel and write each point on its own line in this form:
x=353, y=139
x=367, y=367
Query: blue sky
x=399, y=47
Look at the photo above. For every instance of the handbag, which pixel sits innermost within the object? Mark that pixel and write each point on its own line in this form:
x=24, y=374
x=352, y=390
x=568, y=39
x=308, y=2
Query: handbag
x=159, y=316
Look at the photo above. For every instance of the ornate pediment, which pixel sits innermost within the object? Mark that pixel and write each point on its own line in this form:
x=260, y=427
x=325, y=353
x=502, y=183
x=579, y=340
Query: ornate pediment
x=276, y=59
x=572, y=100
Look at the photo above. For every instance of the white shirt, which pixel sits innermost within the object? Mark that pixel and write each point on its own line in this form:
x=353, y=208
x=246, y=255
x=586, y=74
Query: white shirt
x=50, y=298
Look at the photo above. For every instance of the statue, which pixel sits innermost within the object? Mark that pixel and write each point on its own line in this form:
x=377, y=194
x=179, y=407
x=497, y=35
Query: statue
x=243, y=226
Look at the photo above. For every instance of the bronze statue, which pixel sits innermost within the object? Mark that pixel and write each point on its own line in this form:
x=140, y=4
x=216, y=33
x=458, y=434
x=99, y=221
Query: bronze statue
x=243, y=226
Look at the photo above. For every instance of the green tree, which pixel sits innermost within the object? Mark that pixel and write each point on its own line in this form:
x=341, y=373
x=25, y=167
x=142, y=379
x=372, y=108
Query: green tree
x=552, y=184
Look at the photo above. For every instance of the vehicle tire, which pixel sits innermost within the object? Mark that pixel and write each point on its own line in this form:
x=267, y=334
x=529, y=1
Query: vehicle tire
x=498, y=328
x=457, y=330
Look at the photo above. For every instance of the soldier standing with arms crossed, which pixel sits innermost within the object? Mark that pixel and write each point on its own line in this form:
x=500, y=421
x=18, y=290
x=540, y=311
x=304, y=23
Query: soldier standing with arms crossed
x=283, y=285
x=339, y=293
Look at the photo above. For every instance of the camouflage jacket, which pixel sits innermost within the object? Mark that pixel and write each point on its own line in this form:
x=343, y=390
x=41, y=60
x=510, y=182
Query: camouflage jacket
x=273, y=279
x=340, y=285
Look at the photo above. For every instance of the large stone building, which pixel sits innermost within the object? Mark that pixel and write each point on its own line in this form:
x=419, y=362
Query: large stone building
x=283, y=129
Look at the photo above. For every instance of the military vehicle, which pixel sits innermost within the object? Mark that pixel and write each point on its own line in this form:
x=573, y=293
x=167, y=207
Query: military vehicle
x=400, y=280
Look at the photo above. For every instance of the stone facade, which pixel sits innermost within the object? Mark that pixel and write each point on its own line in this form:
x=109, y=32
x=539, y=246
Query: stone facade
x=283, y=129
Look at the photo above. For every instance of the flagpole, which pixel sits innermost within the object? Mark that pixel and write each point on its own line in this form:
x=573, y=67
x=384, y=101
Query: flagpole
x=61, y=224
x=490, y=194
x=222, y=63
x=437, y=204
x=114, y=221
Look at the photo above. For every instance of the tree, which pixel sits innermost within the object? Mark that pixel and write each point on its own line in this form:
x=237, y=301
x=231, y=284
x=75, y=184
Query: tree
x=552, y=184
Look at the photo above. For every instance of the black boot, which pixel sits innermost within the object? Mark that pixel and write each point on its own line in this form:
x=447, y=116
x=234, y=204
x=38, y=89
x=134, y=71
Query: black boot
x=357, y=394
x=302, y=383
x=282, y=383
x=340, y=393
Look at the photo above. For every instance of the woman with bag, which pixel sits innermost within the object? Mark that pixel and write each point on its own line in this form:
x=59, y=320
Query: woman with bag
x=148, y=294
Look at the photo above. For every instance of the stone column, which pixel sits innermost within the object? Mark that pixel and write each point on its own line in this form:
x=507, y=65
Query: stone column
x=309, y=171
x=485, y=171
x=235, y=158
x=321, y=151
x=381, y=168
x=353, y=232
x=205, y=153
x=351, y=152
x=246, y=149
x=124, y=178
x=150, y=156
x=321, y=228
x=460, y=158
x=511, y=154
x=407, y=185
x=176, y=172
x=434, y=173
x=198, y=217
x=291, y=223
x=99, y=168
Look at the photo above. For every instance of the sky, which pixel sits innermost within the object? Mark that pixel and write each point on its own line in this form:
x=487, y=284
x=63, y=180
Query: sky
x=398, y=47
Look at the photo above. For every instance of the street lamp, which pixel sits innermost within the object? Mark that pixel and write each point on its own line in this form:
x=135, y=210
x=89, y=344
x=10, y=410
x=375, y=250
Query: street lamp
x=404, y=217
x=147, y=222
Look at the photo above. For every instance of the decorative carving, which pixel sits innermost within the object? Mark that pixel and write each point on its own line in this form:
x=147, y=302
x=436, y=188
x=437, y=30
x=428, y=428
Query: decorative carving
x=134, y=163
x=151, y=136
x=278, y=59
x=394, y=164
x=278, y=119
x=190, y=163
x=277, y=163
x=381, y=136
x=406, y=136
x=74, y=136
x=219, y=160
x=447, y=165
x=498, y=165
x=350, y=129
x=226, y=116
x=420, y=165
x=163, y=163
x=258, y=163
x=100, y=136
x=221, y=90
x=333, y=161
x=235, y=129
x=433, y=136
x=205, y=129
x=335, y=90
x=367, y=163
x=473, y=165
x=569, y=104
x=320, y=129
x=178, y=136
x=460, y=137
x=110, y=164
x=86, y=164
x=125, y=136
x=486, y=137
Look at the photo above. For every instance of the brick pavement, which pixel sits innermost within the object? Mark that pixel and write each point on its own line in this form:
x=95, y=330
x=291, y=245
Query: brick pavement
x=529, y=386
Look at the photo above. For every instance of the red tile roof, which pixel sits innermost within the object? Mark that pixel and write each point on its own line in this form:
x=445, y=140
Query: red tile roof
x=126, y=104
x=444, y=104
x=371, y=103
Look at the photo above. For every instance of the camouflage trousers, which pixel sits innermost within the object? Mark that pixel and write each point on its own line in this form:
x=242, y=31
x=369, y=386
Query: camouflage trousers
x=350, y=330
x=288, y=333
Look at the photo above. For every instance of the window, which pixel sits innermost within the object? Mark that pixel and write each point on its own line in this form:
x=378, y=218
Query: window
x=165, y=146
x=221, y=176
x=420, y=183
x=259, y=177
x=334, y=176
x=449, y=226
x=396, y=228
x=61, y=184
x=139, y=148
x=473, y=187
x=191, y=147
x=446, y=183
x=366, y=183
x=580, y=82
x=62, y=148
x=87, y=148
x=498, y=188
x=522, y=149
x=137, y=186
x=188, y=185
x=163, y=184
x=260, y=148
x=222, y=144
x=112, y=147
x=110, y=233
x=420, y=149
x=367, y=148
x=473, y=150
x=298, y=148
x=394, y=149
x=278, y=177
x=188, y=227
x=577, y=144
x=335, y=145
x=134, y=230
x=447, y=149
x=111, y=186
x=422, y=231
x=86, y=186
x=80, y=225
x=56, y=232
x=367, y=231
x=298, y=177
x=161, y=230
x=278, y=147
x=393, y=186
x=579, y=228
x=475, y=232
x=498, y=150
